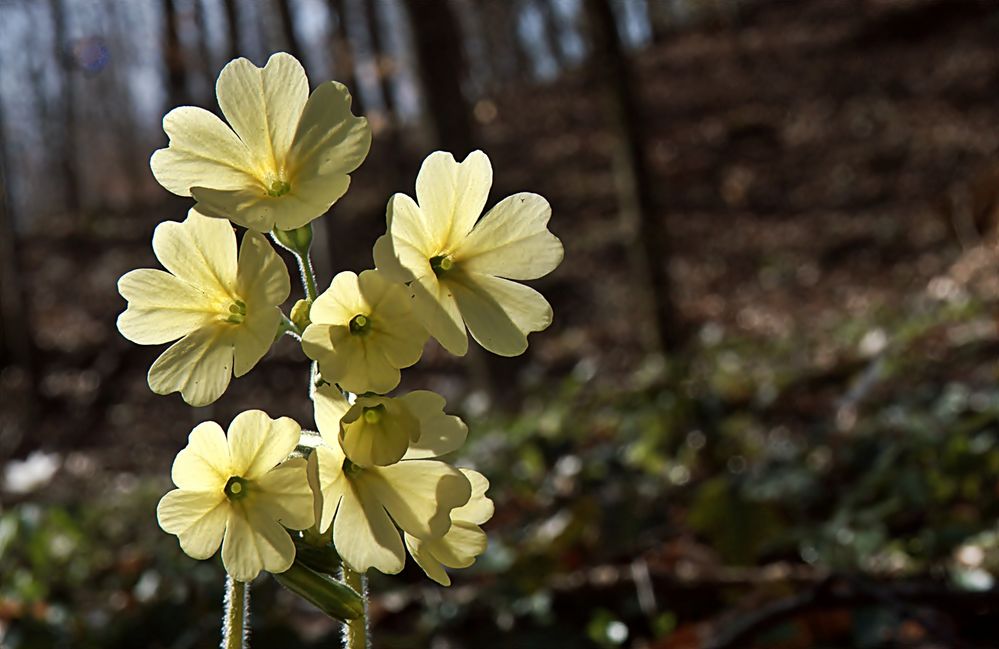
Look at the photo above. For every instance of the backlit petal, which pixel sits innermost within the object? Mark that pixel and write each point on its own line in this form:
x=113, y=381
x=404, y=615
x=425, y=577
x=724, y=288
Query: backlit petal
x=201, y=250
x=199, y=366
x=437, y=311
x=330, y=407
x=498, y=312
x=263, y=105
x=254, y=542
x=262, y=279
x=364, y=535
x=203, y=465
x=440, y=433
x=203, y=151
x=258, y=443
x=161, y=307
x=198, y=519
x=329, y=140
x=418, y=494
x=284, y=495
x=451, y=195
x=512, y=240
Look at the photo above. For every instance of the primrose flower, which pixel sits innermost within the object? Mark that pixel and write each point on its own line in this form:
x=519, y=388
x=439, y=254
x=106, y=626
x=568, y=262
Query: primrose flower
x=240, y=491
x=463, y=542
x=284, y=161
x=224, y=309
x=363, y=331
x=378, y=431
x=458, y=269
x=365, y=505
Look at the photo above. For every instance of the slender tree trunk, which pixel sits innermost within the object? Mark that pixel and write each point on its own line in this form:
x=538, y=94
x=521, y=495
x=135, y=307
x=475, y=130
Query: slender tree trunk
x=287, y=20
x=614, y=77
x=17, y=347
x=384, y=65
x=660, y=18
x=343, y=54
x=553, y=33
x=509, y=62
x=207, y=63
x=66, y=141
x=173, y=54
x=442, y=69
x=232, y=22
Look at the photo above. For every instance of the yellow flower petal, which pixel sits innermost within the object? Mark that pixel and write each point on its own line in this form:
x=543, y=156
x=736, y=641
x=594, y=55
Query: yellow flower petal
x=161, y=307
x=479, y=508
x=405, y=252
x=200, y=250
x=421, y=553
x=198, y=519
x=329, y=140
x=204, y=464
x=253, y=339
x=262, y=278
x=283, y=494
x=326, y=462
x=418, y=494
x=254, y=542
x=440, y=433
x=377, y=431
x=199, y=366
x=258, y=443
x=437, y=310
x=364, y=535
x=512, y=240
x=459, y=547
x=368, y=360
x=201, y=147
x=330, y=406
x=498, y=312
x=451, y=195
x=263, y=105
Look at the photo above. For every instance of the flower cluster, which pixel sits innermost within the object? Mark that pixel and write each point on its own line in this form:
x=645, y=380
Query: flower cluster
x=371, y=485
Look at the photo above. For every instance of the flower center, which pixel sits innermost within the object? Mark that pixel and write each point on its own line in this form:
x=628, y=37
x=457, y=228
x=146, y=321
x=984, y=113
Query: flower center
x=278, y=188
x=360, y=325
x=373, y=414
x=441, y=264
x=236, y=488
x=237, y=312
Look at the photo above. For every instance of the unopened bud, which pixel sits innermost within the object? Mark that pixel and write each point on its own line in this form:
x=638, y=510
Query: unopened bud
x=330, y=596
x=298, y=240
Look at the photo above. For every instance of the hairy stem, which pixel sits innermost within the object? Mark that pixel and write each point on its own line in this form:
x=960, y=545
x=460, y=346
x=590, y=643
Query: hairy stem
x=355, y=632
x=308, y=275
x=236, y=623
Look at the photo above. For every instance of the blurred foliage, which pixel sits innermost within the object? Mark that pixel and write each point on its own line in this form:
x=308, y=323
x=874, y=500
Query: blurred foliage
x=881, y=461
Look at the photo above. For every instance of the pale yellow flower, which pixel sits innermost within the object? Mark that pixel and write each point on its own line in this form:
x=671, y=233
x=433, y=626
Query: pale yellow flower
x=463, y=542
x=363, y=331
x=378, y=430
x=459, y=267
x=365, y=505
x=241, y=492
x=223, y=308
x=286, y=157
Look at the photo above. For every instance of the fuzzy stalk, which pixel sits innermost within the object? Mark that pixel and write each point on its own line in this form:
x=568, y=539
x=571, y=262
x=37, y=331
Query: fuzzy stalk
x=236, y=622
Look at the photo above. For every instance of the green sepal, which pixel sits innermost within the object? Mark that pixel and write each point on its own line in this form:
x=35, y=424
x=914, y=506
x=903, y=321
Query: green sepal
x=298, y=240
x=321, y=558
x=339, y=601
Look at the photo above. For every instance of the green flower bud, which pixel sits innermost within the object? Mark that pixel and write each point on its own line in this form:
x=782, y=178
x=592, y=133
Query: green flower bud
x=298, y=240
x=300, y=314
x=333, y=598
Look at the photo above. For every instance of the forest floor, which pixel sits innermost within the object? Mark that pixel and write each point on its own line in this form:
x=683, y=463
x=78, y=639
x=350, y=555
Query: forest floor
x=825, y=170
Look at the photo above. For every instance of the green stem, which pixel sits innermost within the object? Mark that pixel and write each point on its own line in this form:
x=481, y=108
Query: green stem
x=308, y=276
x=289, y=327
x=236, y=624
x=355, y=632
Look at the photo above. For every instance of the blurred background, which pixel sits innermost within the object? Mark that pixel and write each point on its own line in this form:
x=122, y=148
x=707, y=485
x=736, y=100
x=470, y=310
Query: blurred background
x=766, y=415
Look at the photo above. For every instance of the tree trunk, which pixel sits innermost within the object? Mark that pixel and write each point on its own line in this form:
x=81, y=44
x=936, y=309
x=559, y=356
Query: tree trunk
x=287, y=21
x=442, y=70
x=173, y=54
x=614, y=78
x=343, y=55
x=232, y=22
x=66, y=140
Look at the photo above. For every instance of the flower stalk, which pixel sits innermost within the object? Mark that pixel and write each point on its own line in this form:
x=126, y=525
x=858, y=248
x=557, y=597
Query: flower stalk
x=235, y=623
x=355, y=632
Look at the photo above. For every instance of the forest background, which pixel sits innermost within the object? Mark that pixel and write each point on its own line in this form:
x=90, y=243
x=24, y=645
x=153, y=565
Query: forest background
x=766, y=415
